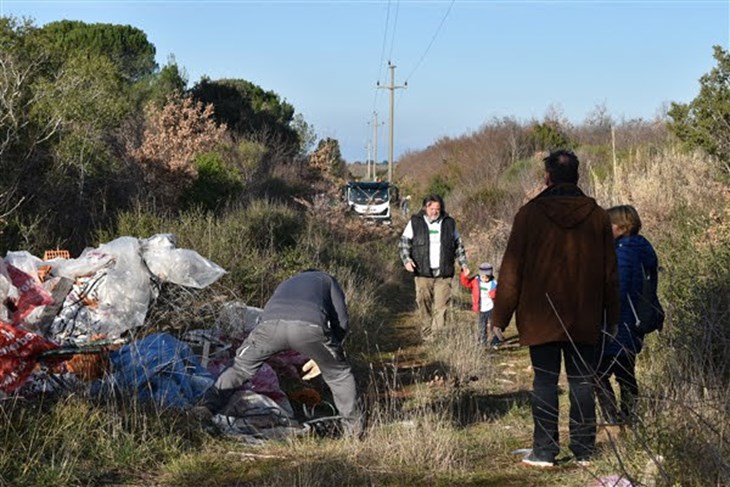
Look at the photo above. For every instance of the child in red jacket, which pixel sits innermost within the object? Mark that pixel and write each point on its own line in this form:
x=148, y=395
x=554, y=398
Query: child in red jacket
x=483, y=290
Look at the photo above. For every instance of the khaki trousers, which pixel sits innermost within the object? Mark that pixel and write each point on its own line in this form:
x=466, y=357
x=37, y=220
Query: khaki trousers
x=433, y=295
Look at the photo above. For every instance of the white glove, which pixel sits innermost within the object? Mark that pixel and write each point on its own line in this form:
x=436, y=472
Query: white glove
x=311, y=370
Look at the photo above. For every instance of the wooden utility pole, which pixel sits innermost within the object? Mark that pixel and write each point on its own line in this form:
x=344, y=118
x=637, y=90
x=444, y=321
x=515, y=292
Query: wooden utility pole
x=392, y=89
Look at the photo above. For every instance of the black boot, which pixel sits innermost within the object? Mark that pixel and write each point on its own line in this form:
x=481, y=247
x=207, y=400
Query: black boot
x=212, y=402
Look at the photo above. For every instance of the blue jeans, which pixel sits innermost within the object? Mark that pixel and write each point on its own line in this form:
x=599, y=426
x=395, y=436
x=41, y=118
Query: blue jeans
x=483, y=318
x=579, y=366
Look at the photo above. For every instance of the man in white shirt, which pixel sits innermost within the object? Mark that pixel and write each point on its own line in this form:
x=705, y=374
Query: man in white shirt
x=429, y=247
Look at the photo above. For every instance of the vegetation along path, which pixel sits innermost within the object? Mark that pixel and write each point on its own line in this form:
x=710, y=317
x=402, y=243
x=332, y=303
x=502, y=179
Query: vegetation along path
x=98, y=142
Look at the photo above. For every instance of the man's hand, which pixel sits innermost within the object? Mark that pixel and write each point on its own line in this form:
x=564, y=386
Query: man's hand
x=410, y=266
x=311, y=370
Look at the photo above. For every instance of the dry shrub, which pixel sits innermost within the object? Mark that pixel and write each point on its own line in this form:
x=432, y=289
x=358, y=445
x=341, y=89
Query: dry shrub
x=487, y=241
x=478, y=156
x=659, y=185
x=693, y=430
x=400, y=453
x=75, y=442
x=684, y=372
x=365, y=312
x=174, y=135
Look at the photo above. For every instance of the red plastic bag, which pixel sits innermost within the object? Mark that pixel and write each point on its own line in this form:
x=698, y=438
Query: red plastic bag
x=19, y=350
x=31, y=293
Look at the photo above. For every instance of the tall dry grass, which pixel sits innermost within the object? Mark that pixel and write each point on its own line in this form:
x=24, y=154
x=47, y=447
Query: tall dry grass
x=684, y=371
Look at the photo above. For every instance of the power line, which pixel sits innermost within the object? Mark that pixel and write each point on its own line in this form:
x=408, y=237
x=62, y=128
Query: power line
x=382, y=52
x=392, y=36
x=433, y=39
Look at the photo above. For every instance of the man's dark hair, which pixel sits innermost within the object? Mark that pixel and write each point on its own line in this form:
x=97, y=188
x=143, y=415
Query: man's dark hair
x=562, y=165
x=434, y=198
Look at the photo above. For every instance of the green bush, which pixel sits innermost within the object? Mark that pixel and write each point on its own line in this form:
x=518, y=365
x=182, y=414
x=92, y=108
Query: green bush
x=517, y=170
x=273, y=226
x=439, y=185
x=550, y=136
x=215, y=185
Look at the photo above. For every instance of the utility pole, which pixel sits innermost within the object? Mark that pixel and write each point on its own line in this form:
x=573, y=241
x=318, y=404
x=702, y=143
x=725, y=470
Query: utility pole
x=375, y=144
x=367, y=163
x=392, y=89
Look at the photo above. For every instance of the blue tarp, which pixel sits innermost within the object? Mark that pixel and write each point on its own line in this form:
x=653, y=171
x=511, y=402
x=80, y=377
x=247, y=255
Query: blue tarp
x=161, y=368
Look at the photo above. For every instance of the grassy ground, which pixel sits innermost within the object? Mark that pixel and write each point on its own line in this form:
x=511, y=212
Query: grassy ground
x=424, y=432
x=449, y=413
x=445, y=414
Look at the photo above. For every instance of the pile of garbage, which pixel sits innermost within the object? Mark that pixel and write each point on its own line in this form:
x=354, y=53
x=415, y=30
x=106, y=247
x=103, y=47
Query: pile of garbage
x=72, y=323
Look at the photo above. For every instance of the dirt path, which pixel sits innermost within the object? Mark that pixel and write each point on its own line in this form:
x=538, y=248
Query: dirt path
x=487, y=395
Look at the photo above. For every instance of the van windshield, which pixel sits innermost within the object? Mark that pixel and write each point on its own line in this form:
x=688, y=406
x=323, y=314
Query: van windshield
x=364, y=196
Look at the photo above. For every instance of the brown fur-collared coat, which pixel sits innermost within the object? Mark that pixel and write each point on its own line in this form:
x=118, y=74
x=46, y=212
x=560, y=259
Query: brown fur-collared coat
x=559, y=272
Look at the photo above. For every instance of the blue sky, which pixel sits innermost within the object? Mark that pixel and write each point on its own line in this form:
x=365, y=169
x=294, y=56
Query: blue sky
x=486, y=58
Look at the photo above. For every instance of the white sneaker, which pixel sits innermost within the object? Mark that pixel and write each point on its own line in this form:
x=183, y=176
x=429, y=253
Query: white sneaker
x=533, y=461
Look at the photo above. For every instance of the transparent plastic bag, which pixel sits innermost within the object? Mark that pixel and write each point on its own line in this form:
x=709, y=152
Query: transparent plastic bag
x=88, y=263
x=236, y=319
x=125, y=290
x=179, y=266
x=7, y=292
x=24, y=261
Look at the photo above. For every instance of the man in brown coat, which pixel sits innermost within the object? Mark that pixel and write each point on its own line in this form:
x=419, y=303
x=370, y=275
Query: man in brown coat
x=559, y=275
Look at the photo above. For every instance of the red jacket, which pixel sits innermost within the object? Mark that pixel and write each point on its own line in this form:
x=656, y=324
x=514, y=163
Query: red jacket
x=473, y=284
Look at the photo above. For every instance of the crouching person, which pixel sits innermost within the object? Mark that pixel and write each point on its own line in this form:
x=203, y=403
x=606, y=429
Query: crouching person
x=306, y=313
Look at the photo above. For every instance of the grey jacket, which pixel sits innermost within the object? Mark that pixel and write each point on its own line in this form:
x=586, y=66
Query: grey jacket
x=313, y=297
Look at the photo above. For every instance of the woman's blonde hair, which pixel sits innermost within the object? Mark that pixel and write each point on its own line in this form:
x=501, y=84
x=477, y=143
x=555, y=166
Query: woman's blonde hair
x=626, y=218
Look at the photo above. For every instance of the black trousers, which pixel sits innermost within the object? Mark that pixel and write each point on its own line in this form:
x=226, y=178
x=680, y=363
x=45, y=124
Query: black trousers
x=580, y=369
x=623, y=367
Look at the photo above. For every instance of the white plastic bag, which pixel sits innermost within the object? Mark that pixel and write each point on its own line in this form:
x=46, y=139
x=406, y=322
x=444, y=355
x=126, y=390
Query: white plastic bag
x=7, y=292
x=237, y=319
x=178, y=266
x=24, y=261
x=88, y=263
x=125, y=291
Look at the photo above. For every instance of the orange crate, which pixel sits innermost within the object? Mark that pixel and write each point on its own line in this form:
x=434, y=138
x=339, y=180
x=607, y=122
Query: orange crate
x=54, y=254
x=48, y=255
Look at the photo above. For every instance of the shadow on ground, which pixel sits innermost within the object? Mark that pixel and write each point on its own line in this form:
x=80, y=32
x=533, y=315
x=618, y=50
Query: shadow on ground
x=399, y=329
x=472, y=408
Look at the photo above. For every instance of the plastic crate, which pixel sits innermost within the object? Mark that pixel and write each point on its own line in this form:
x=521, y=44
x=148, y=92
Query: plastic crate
x=55, y=254
x=48, y=255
